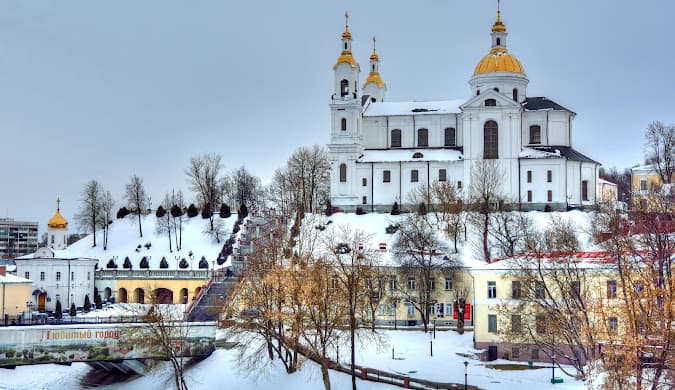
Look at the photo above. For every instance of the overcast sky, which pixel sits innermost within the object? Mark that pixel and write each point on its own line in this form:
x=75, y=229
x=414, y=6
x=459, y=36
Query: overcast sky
x=106, y=89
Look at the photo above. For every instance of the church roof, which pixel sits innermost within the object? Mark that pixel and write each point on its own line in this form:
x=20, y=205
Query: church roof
x=559, y=151
x=396, y=155
x=413, y=108
x=542, y=103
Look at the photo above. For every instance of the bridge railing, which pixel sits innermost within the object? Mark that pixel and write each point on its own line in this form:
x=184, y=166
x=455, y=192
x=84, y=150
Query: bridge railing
x=152, y=274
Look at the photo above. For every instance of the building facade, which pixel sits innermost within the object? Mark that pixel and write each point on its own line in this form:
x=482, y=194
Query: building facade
x=17, y=238
x=381, y=151
x=14, y=295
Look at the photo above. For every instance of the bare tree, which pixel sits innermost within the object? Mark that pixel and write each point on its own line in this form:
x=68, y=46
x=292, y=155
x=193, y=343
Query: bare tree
x=484, y=196
x=447, y=209
x=248, y=187
x=422, y=259
x=136, y=198
x=660, y=149
x=89, y=214
x=177, y=217
x=622, y=179
x=508, y=230
x=164, y=225
x=107, y=205
x=204, y=176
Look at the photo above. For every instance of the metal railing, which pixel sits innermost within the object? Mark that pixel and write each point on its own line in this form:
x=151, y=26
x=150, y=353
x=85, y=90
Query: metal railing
x=152, y=274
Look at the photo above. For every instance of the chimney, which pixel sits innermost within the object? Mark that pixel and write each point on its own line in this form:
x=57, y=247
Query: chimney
x=3, y=270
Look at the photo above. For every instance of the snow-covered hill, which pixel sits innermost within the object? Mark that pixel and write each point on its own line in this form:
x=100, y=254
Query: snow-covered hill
x=124, y=241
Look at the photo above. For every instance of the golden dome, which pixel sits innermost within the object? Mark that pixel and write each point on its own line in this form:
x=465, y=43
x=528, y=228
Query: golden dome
x=374, y=56
x=374, y=77
x=347, y=34
x=347, y=57
x=498, y=60
x=498, y=26
x=57, y=221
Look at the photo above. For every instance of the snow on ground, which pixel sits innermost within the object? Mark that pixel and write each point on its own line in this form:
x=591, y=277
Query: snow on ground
x=374, y=225
x=118, y=310
x=124, y=240
x=221, y=369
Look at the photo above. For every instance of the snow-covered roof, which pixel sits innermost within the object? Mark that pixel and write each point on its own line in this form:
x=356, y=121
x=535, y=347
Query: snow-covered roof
x=413, y=108
x=644, y=170
x=395, y=155
x=607, y=182
x=583, y=259
x=124, y=241
x=534, y=153
x=13, y=279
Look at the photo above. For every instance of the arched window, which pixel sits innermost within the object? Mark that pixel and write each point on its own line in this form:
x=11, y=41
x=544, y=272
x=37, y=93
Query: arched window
x=344, y=88
x=515, y=94
x=499, y=41
x=396, y=138
x=490, y=140
x=490, y=102
x=496, y=89
x=346, y=46
x=343, y=124
x=343, y=173
x=372, y=67
x=423, y=137
x=477, y=92
x=450, y=137
x=535, y=134
x=417, y=155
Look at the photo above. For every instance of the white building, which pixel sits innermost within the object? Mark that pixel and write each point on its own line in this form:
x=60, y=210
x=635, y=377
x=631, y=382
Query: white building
x=56, y=278
x=380, y=151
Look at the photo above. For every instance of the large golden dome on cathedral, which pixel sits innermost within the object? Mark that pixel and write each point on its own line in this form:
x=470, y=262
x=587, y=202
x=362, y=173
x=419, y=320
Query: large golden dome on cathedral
x=57, y=221
x=498, y=60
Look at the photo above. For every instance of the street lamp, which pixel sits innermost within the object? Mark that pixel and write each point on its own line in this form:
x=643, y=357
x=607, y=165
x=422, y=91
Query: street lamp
x=466, y=365
x=552, y=358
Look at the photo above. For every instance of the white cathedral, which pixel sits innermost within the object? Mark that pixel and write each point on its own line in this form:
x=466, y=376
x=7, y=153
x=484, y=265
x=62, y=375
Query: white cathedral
x=380, y=151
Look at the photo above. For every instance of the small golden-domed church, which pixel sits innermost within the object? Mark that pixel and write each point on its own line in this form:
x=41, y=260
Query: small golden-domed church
x=57, y=230
x=381, y=151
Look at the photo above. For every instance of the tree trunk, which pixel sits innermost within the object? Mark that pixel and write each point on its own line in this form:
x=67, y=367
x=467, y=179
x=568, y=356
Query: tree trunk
x=324, y=375
x=140, y=228
x=486, y=249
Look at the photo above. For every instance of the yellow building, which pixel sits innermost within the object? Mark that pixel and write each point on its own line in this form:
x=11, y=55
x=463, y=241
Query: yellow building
x=14, y=293
x=645, y=182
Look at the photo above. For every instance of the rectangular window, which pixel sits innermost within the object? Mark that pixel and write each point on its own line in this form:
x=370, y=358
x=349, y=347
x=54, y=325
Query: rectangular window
x=549, y=195
x=540, y=323
x=88, y=275
x=516, y=325
x=72, y=276
x=382, y=309
x=611, y=289
x=396, y=138
x=492, y=323
x=584, y=190
x=386, y=176
x=26, y=275
x=392, y=283
x=549, y=176
x=529, y=196
x=411, y=283
x=534, y=353
x=459, y=184
x=364, y=182
x=333, y=283
x=58, y=276
x=448, y=283
x=515, y=289
x=529, y=176
x=539, y=290
x=515, y=353
x=414, y=176
x=364, y=200
x=411, y=310
x=392, y=309
x=492, y=290
x=42, y=275
x=612, y=324
x=643, y=184
x=432, y=284
x=442, y=175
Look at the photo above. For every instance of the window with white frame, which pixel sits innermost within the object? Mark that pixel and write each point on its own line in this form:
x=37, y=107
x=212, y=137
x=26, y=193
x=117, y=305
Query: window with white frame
x=448, y=284
x=492, y=323
x=492, y=289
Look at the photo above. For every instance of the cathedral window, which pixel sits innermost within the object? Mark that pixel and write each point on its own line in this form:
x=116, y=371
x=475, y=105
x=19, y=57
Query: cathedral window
x=515, y=94
x=442, y=175
x=459, y=184
x=496, y=89
x=549, y=196
x=346, y=46
x=490, y=140
x=364, y=182
x=396, y=138
x=364, y=200
x=499, y=41
x=414, y=176
x=343, y=173
x=584, y=190
x=343, y=124
x=422, y=137
x=417, y=155
x=344, y=88
x=529, y=176
x=535, y=134
x=386, y=176
x=549, y=176
x=450, y=137
x=529, y=196
x=490, y=102
x=477, y=92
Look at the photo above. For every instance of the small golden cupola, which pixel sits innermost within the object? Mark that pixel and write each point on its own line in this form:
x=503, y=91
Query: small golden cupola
x=57, y=221
x=498, y=59
x=346, y=54
x=374, y=86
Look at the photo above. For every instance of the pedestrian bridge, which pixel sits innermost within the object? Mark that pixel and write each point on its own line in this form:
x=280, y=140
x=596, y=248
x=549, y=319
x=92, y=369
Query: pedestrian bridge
x=100, y=344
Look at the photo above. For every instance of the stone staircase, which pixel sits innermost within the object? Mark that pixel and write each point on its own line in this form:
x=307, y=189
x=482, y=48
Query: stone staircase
x=210, y=303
